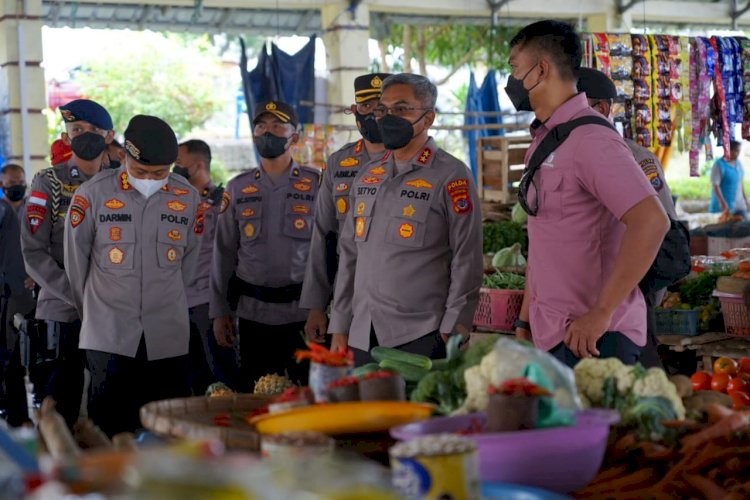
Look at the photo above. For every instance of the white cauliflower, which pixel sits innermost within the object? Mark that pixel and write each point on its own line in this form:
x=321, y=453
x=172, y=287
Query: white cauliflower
x=656, y=384
x=592, y=372
x=478, y=378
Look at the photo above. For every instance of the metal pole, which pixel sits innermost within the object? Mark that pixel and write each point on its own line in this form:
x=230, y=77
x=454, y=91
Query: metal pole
x=22, y=91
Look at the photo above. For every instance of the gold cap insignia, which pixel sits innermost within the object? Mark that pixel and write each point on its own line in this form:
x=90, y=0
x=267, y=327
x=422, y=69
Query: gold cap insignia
x=376, y=82
x=134, y=151
x=271, y=106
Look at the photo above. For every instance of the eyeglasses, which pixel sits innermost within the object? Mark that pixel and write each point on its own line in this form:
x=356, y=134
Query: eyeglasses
x=527, y=180
x=397, y=110
x=367, y=107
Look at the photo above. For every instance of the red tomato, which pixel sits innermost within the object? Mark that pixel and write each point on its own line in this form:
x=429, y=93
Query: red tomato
x=701, y=381
x=738, y=384
x=740, y=399
x=719, y=382
x=744, y=365
x=725, y=365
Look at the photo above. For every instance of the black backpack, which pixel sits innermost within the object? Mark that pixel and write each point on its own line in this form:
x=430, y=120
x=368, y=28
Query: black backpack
x=672, y=262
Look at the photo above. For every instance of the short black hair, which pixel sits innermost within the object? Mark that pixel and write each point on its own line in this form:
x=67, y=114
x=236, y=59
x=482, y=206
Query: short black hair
x=734, y=145
x=200, y=148
x=556, y=39
x=12, y=167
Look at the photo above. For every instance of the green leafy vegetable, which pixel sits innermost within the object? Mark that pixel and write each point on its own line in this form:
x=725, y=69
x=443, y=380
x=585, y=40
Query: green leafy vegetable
x=499, y=235
x=697, y=291
x=504, y=281
x=509, y=257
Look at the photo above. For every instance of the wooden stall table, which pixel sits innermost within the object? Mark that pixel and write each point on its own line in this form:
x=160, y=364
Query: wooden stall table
x=708, y=346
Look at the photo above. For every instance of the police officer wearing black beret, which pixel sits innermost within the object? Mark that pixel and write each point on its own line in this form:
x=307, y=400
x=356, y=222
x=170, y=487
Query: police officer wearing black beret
x=131, y=245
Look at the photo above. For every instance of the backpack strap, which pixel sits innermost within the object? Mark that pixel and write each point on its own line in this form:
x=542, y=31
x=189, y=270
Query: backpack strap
x=551, y=141
x=56, y=188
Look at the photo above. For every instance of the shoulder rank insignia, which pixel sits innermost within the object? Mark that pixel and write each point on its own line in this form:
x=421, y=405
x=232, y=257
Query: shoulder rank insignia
x=424, y=156
x=349, y=162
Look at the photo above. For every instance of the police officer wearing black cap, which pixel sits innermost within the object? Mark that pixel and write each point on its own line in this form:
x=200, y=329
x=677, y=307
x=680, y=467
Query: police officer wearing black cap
x=131, y=246
x=262, y=241
x=333, y=203
x=88, y=130
x=601, y=93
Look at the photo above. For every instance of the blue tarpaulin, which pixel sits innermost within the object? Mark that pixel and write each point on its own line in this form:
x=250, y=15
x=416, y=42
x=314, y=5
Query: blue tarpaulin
x=281, y=76
x=481, y=99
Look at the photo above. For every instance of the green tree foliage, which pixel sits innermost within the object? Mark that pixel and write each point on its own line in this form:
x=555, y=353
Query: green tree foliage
x=169, y=76
x=450, y=46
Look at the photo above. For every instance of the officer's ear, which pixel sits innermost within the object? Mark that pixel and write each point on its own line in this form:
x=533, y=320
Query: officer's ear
x=109, y=137
x=121, y=155
x=65, y=138
x=429, y=119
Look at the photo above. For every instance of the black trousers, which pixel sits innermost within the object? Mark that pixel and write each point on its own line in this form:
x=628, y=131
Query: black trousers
x=62, y=378
x=610, y=345
x=267, y=349
x=120, y=385
x=209, y=362
x=431, y=345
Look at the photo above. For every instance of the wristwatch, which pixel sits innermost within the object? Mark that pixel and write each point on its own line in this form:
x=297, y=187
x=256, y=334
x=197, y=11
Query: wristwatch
x=522, y=324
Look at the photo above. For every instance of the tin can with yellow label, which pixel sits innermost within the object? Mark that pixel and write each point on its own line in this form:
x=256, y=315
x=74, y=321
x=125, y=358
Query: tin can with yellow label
x=436, y=467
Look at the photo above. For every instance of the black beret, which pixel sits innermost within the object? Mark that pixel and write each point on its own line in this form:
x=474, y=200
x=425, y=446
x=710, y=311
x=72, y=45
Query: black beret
x=279, y=109
x=367, y=87
x=595, y=84
x=87, y=111
x=150, y=140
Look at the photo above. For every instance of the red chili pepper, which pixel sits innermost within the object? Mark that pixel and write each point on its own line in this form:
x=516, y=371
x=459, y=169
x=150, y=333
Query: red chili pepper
x=519, y=386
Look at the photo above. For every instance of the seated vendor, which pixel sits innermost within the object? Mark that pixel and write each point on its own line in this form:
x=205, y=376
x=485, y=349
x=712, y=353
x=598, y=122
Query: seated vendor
x=727, y=177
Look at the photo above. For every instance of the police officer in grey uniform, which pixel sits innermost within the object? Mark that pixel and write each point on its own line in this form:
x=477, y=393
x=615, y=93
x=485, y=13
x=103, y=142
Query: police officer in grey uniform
x=333, y=203
x=208, y=360
x=131, y=246
x=262, y=241
x=601, y=92
x=410, y=263
x=88, y=129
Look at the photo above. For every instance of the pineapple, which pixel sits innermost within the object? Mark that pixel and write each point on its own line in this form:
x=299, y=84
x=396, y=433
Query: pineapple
x=272, y=384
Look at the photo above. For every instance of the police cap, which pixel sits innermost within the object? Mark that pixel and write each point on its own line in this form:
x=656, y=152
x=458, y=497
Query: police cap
x=87, y=111
x=150, y=141
x=368, y=86
x=279, y=109
x=595, y=84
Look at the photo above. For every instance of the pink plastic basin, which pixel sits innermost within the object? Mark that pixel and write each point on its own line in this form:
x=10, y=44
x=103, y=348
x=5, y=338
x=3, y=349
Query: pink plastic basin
x=562, y=459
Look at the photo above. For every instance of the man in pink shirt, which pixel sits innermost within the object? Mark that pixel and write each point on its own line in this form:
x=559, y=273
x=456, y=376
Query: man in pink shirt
x=598, y=225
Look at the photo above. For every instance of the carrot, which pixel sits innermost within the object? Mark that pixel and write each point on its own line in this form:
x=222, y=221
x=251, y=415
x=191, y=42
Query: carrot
x=635, y=480
x=717, y=412
x=729, y=424
x=655, y=451
x=682, y=424
x=57, y=436
x=609, y=474
x=708, y=489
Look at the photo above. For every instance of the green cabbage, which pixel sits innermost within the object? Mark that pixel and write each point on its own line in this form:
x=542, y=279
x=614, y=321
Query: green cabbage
x=509, y=257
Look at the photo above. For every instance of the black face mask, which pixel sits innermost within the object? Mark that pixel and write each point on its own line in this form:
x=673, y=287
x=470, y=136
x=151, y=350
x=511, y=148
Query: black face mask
x=270, y=146
x=15, y=193
x=183, y=171
x=87, y=146
x=397, y=131
x=114, y=164
x=368, y=127
x=518, y=94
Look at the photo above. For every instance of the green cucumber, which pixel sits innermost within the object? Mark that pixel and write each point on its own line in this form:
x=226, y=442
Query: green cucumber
x=380, y=354
x=409, y=372
x=363, y=370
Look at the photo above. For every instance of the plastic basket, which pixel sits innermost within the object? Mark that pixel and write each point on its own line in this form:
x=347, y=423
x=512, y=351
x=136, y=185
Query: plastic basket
x=677, y=321
x=498, y=309
x=736, y=317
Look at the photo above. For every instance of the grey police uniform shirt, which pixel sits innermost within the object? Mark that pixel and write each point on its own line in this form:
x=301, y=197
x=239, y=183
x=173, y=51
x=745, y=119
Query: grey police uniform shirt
x=42, y=239
x=655, y=174
x=199, y=288
x=129, y=259
x=410, y=251
x=331, y=209
x=263, y=234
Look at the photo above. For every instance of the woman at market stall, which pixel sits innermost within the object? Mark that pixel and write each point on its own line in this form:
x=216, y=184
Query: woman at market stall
x=727, y=176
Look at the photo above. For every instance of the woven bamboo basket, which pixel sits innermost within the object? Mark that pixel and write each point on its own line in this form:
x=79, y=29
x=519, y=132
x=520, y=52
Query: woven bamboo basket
x=193, y=418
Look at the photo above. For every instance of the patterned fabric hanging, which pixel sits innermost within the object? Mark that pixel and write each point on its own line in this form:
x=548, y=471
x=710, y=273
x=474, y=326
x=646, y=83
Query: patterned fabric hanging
x=745, y=59
x=700, y=100
x=720, y=99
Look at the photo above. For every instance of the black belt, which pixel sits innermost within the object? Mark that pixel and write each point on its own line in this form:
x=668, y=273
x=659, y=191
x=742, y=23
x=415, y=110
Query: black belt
x=282, y=295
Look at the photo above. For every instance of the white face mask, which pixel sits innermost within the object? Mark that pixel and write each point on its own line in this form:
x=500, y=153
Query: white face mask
x=147, y=187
